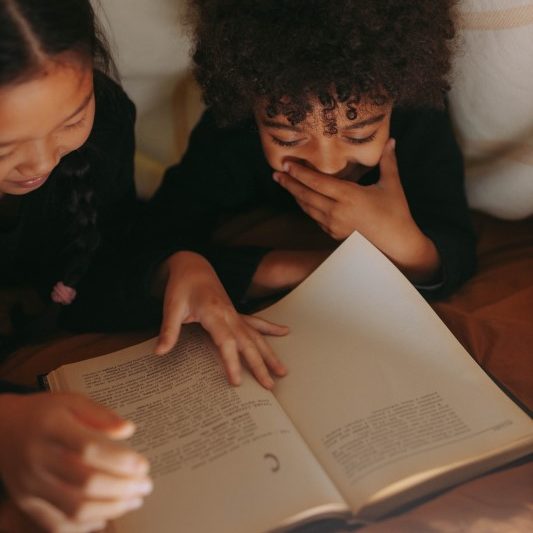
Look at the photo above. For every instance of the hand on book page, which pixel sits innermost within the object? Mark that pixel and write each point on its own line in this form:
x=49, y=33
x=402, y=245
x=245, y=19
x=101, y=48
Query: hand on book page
x=61, y=466
x=193, y=293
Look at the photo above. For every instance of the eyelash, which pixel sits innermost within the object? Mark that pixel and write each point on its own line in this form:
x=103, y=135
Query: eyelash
x=351, y=140
x=284, y=143
x=78, y=124
x=75, y=125
x=368, y=139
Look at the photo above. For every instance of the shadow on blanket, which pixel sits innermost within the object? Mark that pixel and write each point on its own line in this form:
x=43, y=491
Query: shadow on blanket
x=492, y=314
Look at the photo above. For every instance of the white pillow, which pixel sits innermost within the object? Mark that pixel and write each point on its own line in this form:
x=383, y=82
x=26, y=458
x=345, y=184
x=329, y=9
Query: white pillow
x=152, y=52
x=492, y=104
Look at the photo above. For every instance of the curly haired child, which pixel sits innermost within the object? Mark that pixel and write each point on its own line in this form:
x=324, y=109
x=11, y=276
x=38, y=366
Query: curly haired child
x=332, y=110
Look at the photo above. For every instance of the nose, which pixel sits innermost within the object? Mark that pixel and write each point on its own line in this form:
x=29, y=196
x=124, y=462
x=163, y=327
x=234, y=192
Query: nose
x=40, y=159
x=327, y=159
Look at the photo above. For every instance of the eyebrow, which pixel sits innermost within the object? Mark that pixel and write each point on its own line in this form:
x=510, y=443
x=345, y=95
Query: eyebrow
x=280, y=126
x=367, y=122
x=80, y=108
x=357, y=125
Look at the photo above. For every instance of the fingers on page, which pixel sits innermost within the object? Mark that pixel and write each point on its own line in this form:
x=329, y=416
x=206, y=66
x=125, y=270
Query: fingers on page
x=97, y=451
x=264, y=326
x=113, y=458
x=170, y=330
x=268, y=356
x=92, y=483
x=256, y=364
x=230, y=358
x=52, y=519
x=100, y=418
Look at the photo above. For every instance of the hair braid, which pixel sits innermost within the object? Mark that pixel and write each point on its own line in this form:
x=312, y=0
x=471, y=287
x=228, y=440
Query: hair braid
x=83, y=232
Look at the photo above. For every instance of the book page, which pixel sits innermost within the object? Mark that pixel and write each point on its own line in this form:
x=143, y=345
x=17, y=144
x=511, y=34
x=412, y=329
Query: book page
x=377, y=385
x=223, y=458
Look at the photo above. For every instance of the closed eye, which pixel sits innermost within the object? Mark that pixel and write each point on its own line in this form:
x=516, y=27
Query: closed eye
x=75, y=125
x=5, y=156
x=355, y=140
x=280, y=142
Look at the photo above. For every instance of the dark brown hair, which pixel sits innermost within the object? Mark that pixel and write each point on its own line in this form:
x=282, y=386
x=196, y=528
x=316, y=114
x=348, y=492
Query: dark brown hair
x=290, y=52
x=32, y=33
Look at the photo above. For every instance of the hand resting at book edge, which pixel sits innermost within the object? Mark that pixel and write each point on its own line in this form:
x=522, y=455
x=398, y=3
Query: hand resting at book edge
x=61, y=465
x=193, y=293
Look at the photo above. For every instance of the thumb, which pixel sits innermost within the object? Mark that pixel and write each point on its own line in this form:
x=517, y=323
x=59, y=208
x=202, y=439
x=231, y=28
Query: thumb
x=100, y=418
x=388, y=165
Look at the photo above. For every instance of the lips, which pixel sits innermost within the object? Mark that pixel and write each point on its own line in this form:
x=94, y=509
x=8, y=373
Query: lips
x=30, y=183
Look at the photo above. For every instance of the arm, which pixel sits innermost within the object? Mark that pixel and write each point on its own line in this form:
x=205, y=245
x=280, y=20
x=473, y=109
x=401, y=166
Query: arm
x=282, y=270
x=222, y=173
x=432, y=171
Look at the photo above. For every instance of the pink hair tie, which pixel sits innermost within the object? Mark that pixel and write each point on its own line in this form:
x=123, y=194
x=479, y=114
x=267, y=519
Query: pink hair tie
x=63, y=294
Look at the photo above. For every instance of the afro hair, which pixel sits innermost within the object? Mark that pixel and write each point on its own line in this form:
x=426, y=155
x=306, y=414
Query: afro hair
x=288, y=53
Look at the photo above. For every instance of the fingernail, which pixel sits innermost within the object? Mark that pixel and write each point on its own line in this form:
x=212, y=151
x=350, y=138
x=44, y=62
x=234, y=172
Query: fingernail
x=134, y=504
x=127, y=425
x=145, y=487
x=276, y=177
x=393, y=144
x=282, y=371
x=269, y=383
x=160, y=349
x=286, y=167
x=140, y=465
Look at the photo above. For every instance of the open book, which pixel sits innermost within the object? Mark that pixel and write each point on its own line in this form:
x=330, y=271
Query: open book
x=381, y=406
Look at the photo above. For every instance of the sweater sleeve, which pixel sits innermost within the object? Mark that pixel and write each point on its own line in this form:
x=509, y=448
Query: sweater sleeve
x=7, y=387
x=219, y=175
x=431, y=169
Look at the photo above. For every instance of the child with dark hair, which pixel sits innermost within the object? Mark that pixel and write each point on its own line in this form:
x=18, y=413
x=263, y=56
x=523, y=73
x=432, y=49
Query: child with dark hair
x=67, y=204
x=334, y=112
x=66, y=148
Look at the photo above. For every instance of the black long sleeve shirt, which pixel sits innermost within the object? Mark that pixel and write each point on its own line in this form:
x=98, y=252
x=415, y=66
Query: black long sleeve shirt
x=224, y=172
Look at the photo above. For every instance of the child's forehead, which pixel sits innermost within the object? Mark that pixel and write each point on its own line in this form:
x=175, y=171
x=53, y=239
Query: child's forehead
x=344, y=114
x=33, y=108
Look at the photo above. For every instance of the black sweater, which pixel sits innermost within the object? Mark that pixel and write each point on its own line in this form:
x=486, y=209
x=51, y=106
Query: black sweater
x=224, y=171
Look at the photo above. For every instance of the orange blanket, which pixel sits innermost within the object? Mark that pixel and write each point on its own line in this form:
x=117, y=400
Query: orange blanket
x=492, y=315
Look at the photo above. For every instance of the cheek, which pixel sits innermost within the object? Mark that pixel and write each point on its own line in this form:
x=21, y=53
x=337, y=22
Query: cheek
x=370, y=155
x=5, y=169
